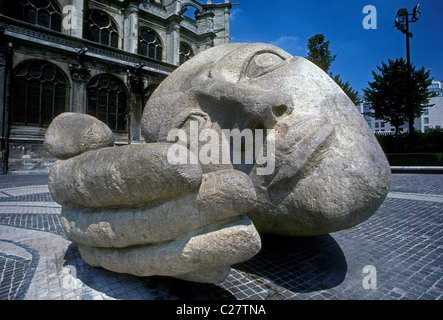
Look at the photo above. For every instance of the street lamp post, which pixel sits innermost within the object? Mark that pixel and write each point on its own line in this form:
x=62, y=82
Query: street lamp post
x=402, y=20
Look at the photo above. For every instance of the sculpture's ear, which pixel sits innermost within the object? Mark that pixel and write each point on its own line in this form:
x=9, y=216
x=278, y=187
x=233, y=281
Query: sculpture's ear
x=160, y=112
x=171, y=110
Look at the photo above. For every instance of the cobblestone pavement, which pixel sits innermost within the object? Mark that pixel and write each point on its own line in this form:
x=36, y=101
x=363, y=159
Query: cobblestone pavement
x=396, y=254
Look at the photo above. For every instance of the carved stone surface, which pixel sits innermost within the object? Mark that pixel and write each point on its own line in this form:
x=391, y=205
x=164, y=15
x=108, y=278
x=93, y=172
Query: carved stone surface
x=71, y=134
x=133, y=210
x=330, y=172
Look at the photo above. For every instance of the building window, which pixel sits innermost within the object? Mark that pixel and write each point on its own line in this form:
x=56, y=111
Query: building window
x=382, y=124
x=426, y=128
x=186, y=52
x=107, y=101
x=150, y=44
x=426, y=112
x=45, y=13
x=39, y=94
x=426, y=120
x=377, y=124
x=102, y=29
x=437, y=127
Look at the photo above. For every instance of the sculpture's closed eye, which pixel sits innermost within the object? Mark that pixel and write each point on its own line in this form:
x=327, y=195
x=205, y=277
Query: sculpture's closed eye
x=263, y=63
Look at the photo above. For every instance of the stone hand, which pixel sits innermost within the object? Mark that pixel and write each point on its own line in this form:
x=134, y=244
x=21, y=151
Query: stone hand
x=131, y=211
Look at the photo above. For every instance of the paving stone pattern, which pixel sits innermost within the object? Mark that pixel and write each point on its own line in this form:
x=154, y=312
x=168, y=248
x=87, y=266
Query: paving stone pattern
x=396, y=254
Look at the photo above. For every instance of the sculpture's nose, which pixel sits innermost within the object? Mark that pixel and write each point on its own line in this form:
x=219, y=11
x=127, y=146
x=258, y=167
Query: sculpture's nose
x=273, y=106
x=254, y=107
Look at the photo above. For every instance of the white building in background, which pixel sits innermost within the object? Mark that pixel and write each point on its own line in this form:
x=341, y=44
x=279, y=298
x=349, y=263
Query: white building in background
x=432, y=117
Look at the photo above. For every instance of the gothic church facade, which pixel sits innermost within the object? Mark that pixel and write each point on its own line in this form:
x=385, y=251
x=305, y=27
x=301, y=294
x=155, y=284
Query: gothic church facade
x=100, y=57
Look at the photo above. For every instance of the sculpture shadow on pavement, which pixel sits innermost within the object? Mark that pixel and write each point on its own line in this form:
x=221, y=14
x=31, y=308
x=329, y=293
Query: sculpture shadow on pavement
x=298, y=264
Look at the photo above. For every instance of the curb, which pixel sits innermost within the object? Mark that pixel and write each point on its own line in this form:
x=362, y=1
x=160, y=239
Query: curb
x=417, y=169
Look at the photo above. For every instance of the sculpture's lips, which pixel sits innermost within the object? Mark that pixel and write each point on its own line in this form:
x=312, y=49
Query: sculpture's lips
x=301, y=153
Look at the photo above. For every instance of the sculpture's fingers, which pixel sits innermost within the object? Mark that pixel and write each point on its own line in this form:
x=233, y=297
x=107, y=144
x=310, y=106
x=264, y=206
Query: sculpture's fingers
x=127, y=176
x=208, y=249
x=71, y=134
x=222, y=195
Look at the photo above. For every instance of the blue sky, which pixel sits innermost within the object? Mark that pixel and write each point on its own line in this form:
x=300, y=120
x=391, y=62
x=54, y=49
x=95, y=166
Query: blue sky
x=290, y=23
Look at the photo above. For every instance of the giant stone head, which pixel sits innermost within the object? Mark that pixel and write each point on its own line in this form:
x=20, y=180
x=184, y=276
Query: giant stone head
x=328, y=172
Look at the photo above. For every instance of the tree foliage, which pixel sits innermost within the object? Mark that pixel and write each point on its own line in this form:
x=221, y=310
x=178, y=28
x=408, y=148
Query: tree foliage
x=346, y=87
x=389, y=92
x=319, y=54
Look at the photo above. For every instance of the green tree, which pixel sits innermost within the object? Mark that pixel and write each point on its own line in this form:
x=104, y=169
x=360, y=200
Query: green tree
x=388, y=93
x=346, y=87
x=319, y=54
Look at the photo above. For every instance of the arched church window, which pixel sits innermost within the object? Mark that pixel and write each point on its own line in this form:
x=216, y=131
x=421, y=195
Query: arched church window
x=150, y=44
x=107, y=99
x=185, y=53
x=45, y=13
x=39, y=93
x=102, y=28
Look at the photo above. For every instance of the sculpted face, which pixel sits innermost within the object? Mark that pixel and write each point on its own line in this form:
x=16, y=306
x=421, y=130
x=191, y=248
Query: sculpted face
x=315, y=167
x=329, y=172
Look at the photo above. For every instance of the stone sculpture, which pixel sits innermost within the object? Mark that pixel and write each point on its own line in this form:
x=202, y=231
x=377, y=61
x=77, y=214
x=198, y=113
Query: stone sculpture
x=330, y=172
x=73, y=134
x=133, y=210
